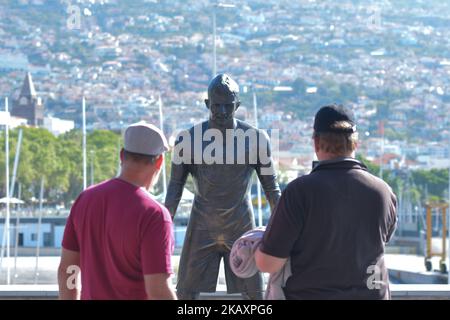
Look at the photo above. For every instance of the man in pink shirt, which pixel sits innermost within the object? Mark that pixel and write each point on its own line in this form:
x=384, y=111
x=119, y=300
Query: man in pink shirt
x=117, y=237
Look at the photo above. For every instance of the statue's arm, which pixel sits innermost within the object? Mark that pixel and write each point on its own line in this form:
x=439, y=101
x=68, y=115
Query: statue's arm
x=178, y=178
x=270, y=186
x=179, y=173
x=266, y=172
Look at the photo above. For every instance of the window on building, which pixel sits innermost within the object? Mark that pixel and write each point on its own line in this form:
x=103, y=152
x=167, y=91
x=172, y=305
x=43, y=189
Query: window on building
x=47, y=239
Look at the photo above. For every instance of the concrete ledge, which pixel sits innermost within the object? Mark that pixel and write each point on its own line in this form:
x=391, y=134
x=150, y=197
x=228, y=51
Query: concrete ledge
x=34, y=292
x=399, y=292
x=420, y=291
x=424, y=278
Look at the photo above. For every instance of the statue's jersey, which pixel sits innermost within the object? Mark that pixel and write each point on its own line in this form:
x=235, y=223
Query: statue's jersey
x=222, y=210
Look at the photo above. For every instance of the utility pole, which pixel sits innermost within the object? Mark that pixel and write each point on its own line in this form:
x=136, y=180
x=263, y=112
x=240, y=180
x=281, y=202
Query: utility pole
x=258, y=184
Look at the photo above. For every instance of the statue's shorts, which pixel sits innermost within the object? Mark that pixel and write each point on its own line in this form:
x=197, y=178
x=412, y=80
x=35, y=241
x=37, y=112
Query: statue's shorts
x=200, y=263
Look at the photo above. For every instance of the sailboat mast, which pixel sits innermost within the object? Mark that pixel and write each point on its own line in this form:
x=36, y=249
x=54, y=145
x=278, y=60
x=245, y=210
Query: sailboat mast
x=161, y=124
x=84, y=144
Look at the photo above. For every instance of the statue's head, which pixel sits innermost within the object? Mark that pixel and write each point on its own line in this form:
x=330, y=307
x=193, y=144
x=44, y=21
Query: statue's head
x=223, y=99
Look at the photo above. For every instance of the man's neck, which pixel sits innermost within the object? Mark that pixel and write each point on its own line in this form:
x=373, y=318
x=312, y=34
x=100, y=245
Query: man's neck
x=222, y=127
x=330, y=157
x=134, y=180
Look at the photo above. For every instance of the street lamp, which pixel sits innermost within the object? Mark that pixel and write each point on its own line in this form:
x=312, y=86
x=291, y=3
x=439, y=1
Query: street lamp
x=214, y=18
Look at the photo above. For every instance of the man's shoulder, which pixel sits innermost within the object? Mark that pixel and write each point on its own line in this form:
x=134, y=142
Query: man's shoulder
x=306, y=184
x=96, y=190
x=377, y=183
x=191, y=131
x=303, y=180
x=198, y=126
x=103, y=185
x=153, y=209
x=247, y=126
x=300, y=183
x=244, y=125
x=91, y=196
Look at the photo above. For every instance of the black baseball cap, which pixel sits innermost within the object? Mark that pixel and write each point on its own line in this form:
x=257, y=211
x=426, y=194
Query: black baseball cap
x=327, y=117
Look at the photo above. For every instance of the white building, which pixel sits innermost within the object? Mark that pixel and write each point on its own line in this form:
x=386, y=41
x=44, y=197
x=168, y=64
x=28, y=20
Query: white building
x=58, y=126
x=49, y=233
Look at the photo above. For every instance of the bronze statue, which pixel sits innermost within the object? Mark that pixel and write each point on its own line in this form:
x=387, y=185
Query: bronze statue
x=222, y=209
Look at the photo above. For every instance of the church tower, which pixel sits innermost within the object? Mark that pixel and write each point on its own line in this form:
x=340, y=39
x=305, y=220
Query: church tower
x=29, y=106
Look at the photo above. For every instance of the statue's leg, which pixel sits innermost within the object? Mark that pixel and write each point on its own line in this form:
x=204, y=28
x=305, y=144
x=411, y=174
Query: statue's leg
x=256, y=295
x=251, y=288
x=183, y=295
x=199, y=266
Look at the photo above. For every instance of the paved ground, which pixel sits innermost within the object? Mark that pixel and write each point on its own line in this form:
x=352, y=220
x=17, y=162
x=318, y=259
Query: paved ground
x=47, y=270
x=24, y=273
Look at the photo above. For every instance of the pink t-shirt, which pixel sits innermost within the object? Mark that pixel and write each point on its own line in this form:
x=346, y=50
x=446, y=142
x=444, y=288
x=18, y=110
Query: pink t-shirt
x=122, y=234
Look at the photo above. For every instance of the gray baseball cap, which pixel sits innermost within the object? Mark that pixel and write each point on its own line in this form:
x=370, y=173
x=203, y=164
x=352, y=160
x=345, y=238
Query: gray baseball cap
x=145, y=138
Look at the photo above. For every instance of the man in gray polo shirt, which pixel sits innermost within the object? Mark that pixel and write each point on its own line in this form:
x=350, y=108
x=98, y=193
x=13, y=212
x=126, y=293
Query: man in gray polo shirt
x=333, y=223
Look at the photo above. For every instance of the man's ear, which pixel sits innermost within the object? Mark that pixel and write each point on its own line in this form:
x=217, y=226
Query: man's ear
x=121, y=155
x=316, y=144
x=207, y=103
x=159, y=161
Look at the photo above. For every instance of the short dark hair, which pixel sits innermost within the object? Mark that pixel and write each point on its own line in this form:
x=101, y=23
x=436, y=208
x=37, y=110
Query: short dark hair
x=138, y=157
x=338, y=144
x=223, y=86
